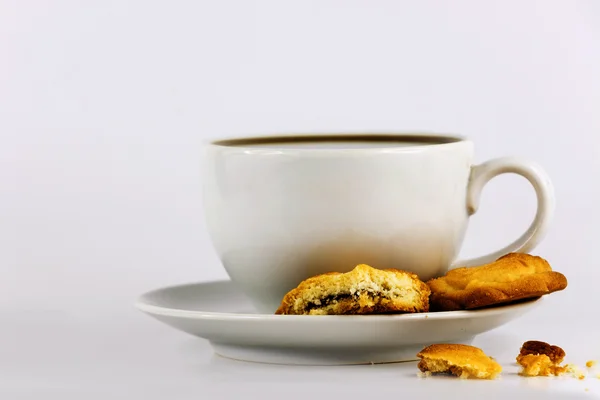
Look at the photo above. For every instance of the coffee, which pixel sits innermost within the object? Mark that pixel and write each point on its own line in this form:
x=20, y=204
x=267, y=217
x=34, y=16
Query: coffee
x=338, y=142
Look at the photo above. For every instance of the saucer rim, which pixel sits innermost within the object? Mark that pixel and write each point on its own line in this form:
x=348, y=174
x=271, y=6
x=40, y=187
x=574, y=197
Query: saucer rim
x=143, y=306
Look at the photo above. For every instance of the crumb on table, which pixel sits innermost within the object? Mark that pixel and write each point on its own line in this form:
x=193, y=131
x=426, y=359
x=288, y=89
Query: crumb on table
x=575, y=371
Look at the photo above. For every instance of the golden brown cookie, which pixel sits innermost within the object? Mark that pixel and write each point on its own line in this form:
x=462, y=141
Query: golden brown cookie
x=541, y=359
x=461, y=360
x=554, y=353
x=539, y=365
x=512, y=277
x=364, y=290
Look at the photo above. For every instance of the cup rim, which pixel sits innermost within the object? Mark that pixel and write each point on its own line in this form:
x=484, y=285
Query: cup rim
x=421, y=140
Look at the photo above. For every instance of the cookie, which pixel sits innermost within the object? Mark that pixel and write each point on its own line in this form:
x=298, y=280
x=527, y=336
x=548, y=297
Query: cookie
x=541, y=359
x=554, y=353
x=364, y=290
x=539, y=365
x=461, y=360
x=515, y=276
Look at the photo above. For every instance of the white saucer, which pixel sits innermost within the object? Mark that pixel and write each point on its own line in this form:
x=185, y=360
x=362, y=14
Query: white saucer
x=220, y=313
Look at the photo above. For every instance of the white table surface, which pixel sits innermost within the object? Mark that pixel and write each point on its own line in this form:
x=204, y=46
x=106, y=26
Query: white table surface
x=104, y=351
x=105, y=106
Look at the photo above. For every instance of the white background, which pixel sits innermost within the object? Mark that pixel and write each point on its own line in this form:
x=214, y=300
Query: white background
x=104, y=106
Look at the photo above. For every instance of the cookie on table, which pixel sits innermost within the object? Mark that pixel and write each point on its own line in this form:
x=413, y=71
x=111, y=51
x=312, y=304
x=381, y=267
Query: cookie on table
x=541, y=359
x=515, y=276
x=536, y=347
x=461, y=360
x=364, y=290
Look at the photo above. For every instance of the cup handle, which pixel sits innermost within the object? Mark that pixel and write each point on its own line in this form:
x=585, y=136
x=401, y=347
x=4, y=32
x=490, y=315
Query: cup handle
x=482, y=174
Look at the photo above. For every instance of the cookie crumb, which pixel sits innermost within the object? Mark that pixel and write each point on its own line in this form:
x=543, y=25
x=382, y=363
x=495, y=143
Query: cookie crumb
x=422, y=374
x=575, y=371
x=591, y=363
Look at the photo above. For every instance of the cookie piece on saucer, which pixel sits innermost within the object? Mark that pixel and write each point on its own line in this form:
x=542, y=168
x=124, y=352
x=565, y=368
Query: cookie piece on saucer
x=461, y=360
x=364, y=290
x=512, y=277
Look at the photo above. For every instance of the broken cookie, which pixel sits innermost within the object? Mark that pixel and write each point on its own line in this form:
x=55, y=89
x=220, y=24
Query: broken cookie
x=541, y=359
x=461, y=360
x=535, y=347
x=364, y=290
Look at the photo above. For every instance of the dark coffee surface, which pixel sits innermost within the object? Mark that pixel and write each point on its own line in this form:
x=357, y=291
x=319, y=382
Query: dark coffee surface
x=339, y=141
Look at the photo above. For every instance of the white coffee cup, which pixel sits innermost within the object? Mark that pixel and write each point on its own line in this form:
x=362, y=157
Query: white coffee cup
x=282, y=209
